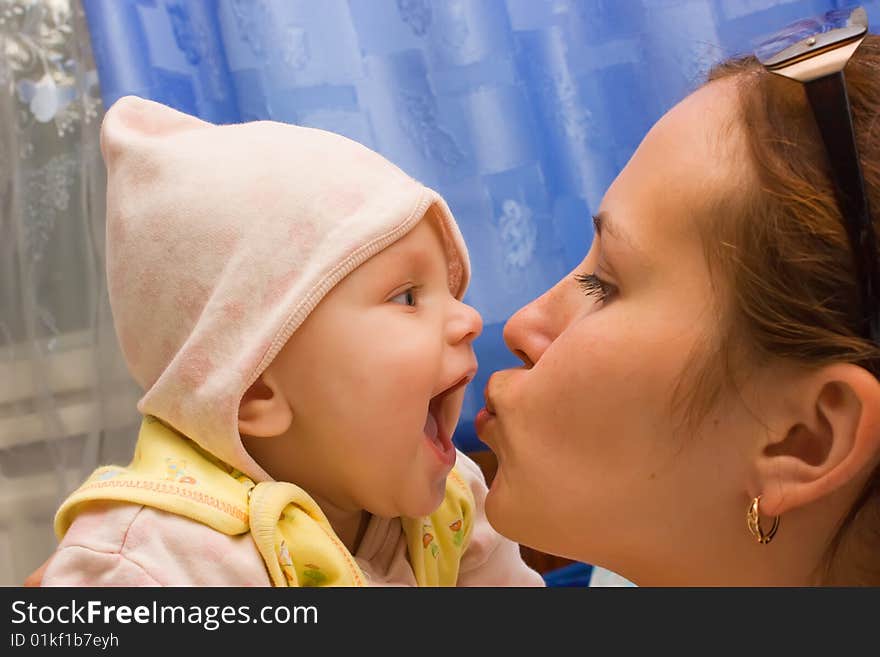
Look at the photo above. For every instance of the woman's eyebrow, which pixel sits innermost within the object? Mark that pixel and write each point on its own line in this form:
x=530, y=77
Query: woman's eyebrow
x=602, y=223
x=601, y=220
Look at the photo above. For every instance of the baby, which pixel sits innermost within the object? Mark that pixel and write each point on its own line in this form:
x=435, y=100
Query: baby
x=290, y=302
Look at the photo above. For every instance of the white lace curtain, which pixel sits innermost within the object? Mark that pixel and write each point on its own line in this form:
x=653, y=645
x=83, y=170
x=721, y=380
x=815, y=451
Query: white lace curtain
x=66, y=400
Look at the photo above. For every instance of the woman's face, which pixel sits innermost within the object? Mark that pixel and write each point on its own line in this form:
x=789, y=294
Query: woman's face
x=593, y=462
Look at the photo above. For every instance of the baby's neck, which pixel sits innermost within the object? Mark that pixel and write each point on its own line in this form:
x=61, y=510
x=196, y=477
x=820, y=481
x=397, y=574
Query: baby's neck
x=349, y=526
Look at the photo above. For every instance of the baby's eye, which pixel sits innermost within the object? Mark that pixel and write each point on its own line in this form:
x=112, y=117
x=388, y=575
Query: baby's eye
x=407, y=298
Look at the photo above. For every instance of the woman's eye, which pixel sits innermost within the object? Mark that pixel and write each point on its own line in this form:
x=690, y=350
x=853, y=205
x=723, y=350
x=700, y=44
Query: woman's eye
x=407, y=298
x=592, y=285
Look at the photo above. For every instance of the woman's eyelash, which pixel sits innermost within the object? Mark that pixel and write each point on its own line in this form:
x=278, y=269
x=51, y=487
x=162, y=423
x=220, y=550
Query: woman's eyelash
x=594, y=286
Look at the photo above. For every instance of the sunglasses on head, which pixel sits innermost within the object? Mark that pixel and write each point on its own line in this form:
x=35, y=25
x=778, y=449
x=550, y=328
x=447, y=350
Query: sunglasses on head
x=814, y=52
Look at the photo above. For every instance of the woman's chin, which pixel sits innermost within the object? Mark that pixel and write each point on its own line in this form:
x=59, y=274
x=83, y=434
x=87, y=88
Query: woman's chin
x=512, y=519
x=497, y=508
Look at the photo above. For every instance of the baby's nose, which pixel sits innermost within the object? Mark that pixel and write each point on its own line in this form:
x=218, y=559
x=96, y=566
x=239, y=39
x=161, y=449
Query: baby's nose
x=465, y=324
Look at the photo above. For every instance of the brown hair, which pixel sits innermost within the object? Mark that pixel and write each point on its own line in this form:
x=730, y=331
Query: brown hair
x=793, y=292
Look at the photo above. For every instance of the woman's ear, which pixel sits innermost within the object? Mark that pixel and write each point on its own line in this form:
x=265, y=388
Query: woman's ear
x=264, y=411
x=831, y=437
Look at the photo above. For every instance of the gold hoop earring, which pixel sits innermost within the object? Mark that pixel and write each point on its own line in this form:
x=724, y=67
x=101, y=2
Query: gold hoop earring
x=753, y=521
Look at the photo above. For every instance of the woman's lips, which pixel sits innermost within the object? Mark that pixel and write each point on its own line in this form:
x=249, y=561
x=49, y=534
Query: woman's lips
x=488, y=397
x=487, y=414
x=484, y=417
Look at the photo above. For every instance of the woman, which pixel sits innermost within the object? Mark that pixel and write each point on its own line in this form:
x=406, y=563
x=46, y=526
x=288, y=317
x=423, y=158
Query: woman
x=706, y=358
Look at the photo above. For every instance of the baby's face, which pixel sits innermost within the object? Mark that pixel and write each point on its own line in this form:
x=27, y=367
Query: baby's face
x=375, y=378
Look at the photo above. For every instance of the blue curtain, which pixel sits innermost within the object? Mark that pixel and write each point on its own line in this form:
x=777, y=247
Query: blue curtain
x=520, y=112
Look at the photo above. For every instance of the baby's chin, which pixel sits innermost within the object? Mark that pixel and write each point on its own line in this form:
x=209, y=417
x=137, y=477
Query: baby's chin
x=427, y=502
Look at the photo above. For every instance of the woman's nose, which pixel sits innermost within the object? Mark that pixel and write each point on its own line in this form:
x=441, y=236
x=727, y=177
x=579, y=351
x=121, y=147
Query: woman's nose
x=465, y=323
x=535, y=326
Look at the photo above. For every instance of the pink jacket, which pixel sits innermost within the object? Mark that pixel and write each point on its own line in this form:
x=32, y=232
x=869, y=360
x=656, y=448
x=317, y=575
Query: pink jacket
x=118, y=544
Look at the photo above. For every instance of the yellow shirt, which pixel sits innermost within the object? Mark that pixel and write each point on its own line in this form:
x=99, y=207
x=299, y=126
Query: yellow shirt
x=294, y=538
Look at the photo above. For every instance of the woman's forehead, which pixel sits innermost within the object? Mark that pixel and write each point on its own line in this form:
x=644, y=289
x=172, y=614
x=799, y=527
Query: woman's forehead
x=692, y=157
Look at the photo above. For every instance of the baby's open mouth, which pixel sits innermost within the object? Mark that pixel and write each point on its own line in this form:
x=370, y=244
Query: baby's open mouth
x=437, y=432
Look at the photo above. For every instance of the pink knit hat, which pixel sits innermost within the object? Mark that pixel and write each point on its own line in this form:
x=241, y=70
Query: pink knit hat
x=222, y=239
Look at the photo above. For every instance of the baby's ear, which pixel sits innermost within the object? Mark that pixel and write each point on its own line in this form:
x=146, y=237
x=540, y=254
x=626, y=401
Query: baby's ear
x=264, y=411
